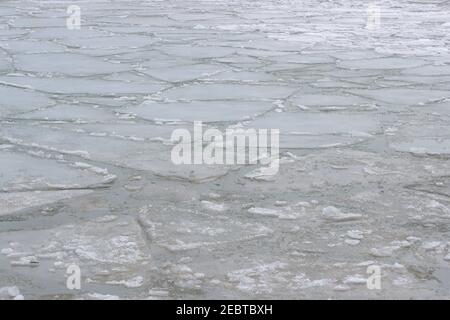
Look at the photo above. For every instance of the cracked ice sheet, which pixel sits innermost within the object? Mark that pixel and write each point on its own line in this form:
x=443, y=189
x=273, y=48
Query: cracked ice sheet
x=364, y=113
x=184, y=231
x=432, y=138
x=33, y=180
x=227, y=92
x=15, y=201
x=28, y=172
x=65, y=63
x=72, y=113
x=319, y=130
x=107, y=249
x=184, y=73
x=130, y=152
x=403, y=96
x=82, y=86
x=206, y=111
x=16, y=101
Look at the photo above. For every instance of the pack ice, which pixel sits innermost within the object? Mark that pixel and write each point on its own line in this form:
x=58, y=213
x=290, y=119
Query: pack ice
x=87, y=181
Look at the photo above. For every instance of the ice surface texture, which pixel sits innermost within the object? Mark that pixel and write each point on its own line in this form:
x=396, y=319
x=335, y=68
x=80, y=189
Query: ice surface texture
x=86, y=178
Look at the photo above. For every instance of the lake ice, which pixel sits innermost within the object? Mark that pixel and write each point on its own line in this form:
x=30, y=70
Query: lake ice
x=86, y=176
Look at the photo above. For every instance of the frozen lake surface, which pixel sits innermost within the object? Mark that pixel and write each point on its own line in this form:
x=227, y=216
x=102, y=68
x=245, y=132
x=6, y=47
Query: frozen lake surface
x=362, y=103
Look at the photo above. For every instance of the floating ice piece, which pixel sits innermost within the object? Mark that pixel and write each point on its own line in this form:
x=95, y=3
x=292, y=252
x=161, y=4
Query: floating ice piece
x=184, y=73
x=7, y=293
x=264, y=173
x=227, y=92
x=403, y=96
x=135, y=282
x=395, y=266
x=29, y=261
x=211, y=111
x=401, y=243
x=213, y=195
x=219, y=207
x=436, y=146
x=381, y=63
x=7, y=251
x=258, y=279
x=196, y=52
x=342, y=287
x=311, y=100
x=28, y=46
x=94, y=242
x=318, y=123
x=264, y=211
x=16, y=100
x=303, y=204
x=365, y=263
x=335, y=214
x=431, y=245
x=132, y=188
x=241, y=76
x=413, y=239
x=16, y=201
x=384, y=251
x=401, y=281
x=179, y=245
x=27, y=173
x=301, y=282
x=318, y=129
x=72, y=113
x=82, y=85
x=96, y=44
x=429, y=70
x=303, y=59
x=355, y=279
x=158, y=292
x=352, y=242
x=134, y=154
x=281, y=214
x=355, y=234
x=107, y=218
x=66, y=63
x=99, y=296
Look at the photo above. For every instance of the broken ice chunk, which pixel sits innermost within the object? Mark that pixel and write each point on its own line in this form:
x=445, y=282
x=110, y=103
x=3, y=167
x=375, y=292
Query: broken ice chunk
x=66, y=63
x=29, y=261
x=335, y=214
x=384, y=252
x=355, y=234
x=431, y=245
x=264, y=211
x=7, y=293
x=352, y=242
x=381, y=63
x=355, y=279
x=219, y=207
x=135, y=282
